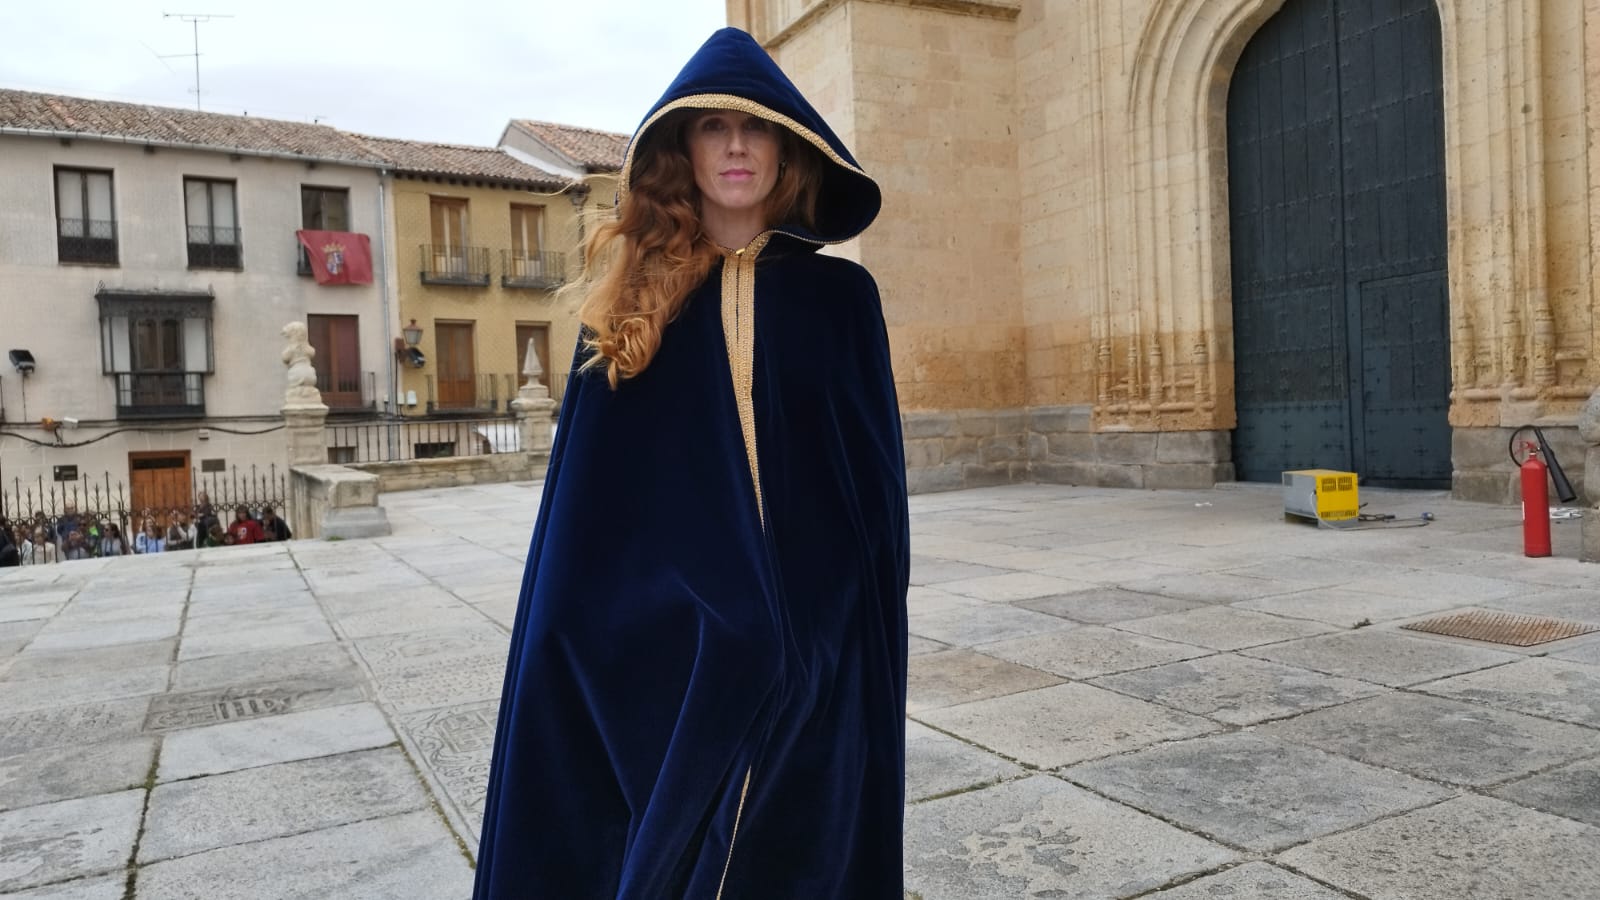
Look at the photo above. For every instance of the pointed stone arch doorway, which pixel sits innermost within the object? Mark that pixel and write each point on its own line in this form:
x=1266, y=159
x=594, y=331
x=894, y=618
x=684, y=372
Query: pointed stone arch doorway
x=1339, y=249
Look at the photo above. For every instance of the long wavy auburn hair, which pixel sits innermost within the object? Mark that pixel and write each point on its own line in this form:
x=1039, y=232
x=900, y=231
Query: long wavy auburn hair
x=641, y=265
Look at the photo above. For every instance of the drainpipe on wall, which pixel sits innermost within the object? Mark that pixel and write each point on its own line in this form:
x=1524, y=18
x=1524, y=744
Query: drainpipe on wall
x=383, y=288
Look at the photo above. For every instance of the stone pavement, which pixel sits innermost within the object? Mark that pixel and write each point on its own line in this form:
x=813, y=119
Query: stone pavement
x=1113, y=694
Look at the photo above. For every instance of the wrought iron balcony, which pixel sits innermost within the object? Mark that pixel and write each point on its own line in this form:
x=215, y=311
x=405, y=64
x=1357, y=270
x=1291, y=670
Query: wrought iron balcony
x=453, y=264
x=211, y=247
x=348, y=391
x=544, y=271
x=92, y=241
x=160, y=395
x=471, y=394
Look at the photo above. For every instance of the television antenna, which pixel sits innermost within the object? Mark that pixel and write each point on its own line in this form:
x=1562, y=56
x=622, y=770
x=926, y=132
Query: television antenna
x=194, y=19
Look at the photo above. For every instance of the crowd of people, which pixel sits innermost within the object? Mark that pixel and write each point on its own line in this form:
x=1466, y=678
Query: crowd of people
x=73, y=536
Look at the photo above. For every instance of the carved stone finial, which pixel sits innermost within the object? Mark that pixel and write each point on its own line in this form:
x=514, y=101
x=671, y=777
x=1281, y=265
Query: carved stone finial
x=530, y=364
x=302, y=376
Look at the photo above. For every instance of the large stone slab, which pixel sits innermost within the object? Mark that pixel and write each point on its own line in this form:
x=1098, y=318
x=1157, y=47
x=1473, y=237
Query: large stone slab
x=1466, y=590
x=1225, y=628
x=410, y=855
x=1585, y=652
x=1386, y=657
x=74, y=770
x=1252, y=792
x=197, y=709
x=1210, y=587
x=1550, y=688
x=87, y=662
x=1011, y=586
x=441, y=682
x=921, y=601
x=1468, y=847
x=272, y=801
x=1090, y=651
x=1345, y=608
x=1251, y=881
x=402, y=651
x=1572, y=791
x=328, y=662
x=107, y=635
x=1439, y=739
x=1104, y=605
x=275, y=739
x=69, y=725
x=962, y=676
x=240, y=633
x=1041, y=838
x=938, y=765
x=1237, y=689
x=70, y=839
x=1576, y=604
x=965, y=627
x=19, y=696
x=108, y=887
x=1065, y=724
x=453, y=745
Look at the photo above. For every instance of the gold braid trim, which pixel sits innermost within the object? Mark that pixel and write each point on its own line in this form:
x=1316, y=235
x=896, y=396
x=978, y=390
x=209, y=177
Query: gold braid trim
x=739, y=332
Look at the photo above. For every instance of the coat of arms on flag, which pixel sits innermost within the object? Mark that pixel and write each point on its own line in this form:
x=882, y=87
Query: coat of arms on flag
x=338, y=257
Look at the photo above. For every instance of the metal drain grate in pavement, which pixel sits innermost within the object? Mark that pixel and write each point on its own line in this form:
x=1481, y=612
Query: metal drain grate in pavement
x=1502, y=628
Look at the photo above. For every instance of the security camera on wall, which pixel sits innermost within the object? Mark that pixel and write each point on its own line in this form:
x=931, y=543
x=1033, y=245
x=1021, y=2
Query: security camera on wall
x=22, y=360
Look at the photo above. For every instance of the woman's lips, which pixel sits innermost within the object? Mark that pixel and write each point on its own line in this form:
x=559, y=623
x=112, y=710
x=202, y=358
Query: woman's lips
x=738, y=174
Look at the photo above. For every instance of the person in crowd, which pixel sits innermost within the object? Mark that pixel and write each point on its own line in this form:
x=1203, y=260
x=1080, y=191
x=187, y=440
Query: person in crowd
x=180, y=531
x=205, y=515
x=10, y=553
x=273, y=528
x=76, y=546
x=244, y=529
x=216, y=537
x=69, y=521
x=150, y=539
x=112, y=543
x=41, y=550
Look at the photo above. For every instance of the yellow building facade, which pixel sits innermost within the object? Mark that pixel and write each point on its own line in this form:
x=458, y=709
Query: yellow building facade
x=1098, y=216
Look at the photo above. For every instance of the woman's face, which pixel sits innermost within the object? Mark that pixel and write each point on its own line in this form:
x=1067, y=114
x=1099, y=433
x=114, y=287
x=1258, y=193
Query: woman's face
x=735, y=158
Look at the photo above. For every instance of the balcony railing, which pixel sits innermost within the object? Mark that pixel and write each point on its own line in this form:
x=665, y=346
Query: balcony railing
x=348, y=391
x=473, y=394
x=452, y=264
x=91, y=241
x=164, y=395
x=211, y=247
x=532, y=270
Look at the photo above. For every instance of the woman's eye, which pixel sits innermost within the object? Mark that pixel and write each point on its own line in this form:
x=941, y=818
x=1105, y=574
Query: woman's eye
x=755, y=124
x=711, y=125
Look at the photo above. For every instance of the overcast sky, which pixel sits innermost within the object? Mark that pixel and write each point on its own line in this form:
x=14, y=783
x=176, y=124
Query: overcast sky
x=451, y=71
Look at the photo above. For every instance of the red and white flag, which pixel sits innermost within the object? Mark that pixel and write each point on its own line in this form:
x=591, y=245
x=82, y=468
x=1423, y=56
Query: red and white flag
x=338, y=257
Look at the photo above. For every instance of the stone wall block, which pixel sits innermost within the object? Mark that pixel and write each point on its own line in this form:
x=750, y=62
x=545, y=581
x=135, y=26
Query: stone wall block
x=1010, y=421
x=1080, y=419
x=1194, y=447
x=922, y=453
x=1071, y=447
x=1003, y=448
x=985, y=476
x=960, y=450
x=928, y=424
x=1126, y=448
x=933, y=480
x=1485, y=487
x=1186, y=476
x=1050, y=419
x=977, y=423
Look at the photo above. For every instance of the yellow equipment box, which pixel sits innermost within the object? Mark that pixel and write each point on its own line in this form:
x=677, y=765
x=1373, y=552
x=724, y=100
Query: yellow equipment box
x=1321, y=494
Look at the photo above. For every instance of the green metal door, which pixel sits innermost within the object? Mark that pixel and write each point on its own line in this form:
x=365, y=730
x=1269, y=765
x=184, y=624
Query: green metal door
x=1337, y=210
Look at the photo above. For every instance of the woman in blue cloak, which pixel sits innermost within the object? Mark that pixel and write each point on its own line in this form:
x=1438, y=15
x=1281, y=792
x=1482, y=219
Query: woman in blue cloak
x=706, y=687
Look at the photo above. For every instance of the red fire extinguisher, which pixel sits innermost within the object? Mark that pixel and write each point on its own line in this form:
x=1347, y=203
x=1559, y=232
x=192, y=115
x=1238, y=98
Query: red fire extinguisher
x=1535, y=504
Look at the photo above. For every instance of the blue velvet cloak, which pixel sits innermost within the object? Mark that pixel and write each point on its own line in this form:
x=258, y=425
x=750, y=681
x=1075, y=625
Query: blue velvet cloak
x=705, y=693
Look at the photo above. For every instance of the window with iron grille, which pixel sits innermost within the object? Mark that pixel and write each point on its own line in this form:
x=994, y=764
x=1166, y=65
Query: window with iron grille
x=213, y=217
x=86, y=225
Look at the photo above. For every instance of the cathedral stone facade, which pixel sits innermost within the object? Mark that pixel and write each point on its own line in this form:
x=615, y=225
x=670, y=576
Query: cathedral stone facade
x=1166, y=243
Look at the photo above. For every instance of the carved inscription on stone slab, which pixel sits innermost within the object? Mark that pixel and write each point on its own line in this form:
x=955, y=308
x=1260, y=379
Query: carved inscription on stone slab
x=440, y=682
x=455, y=745
x=233, y=704
x=70, y=725
x=401, y=651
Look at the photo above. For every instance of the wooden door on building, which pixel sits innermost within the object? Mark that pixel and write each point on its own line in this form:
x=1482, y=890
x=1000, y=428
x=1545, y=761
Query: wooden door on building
x=159, y=481
x=1337, y=214
x=540, y=335
x=337, y=340
x=453, y=355
x=448, y=221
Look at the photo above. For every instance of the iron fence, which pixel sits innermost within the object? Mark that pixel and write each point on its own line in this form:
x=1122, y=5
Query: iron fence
x=473, y=394
x=215, y=247
x=160, y=394
x=41, y=512
x=398, y=440
x=532, y=270
x=86, y=241
x=454, y=264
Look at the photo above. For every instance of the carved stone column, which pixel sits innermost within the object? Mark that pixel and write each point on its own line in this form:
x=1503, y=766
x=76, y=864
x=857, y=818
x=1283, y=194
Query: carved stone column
x=1589, y=430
